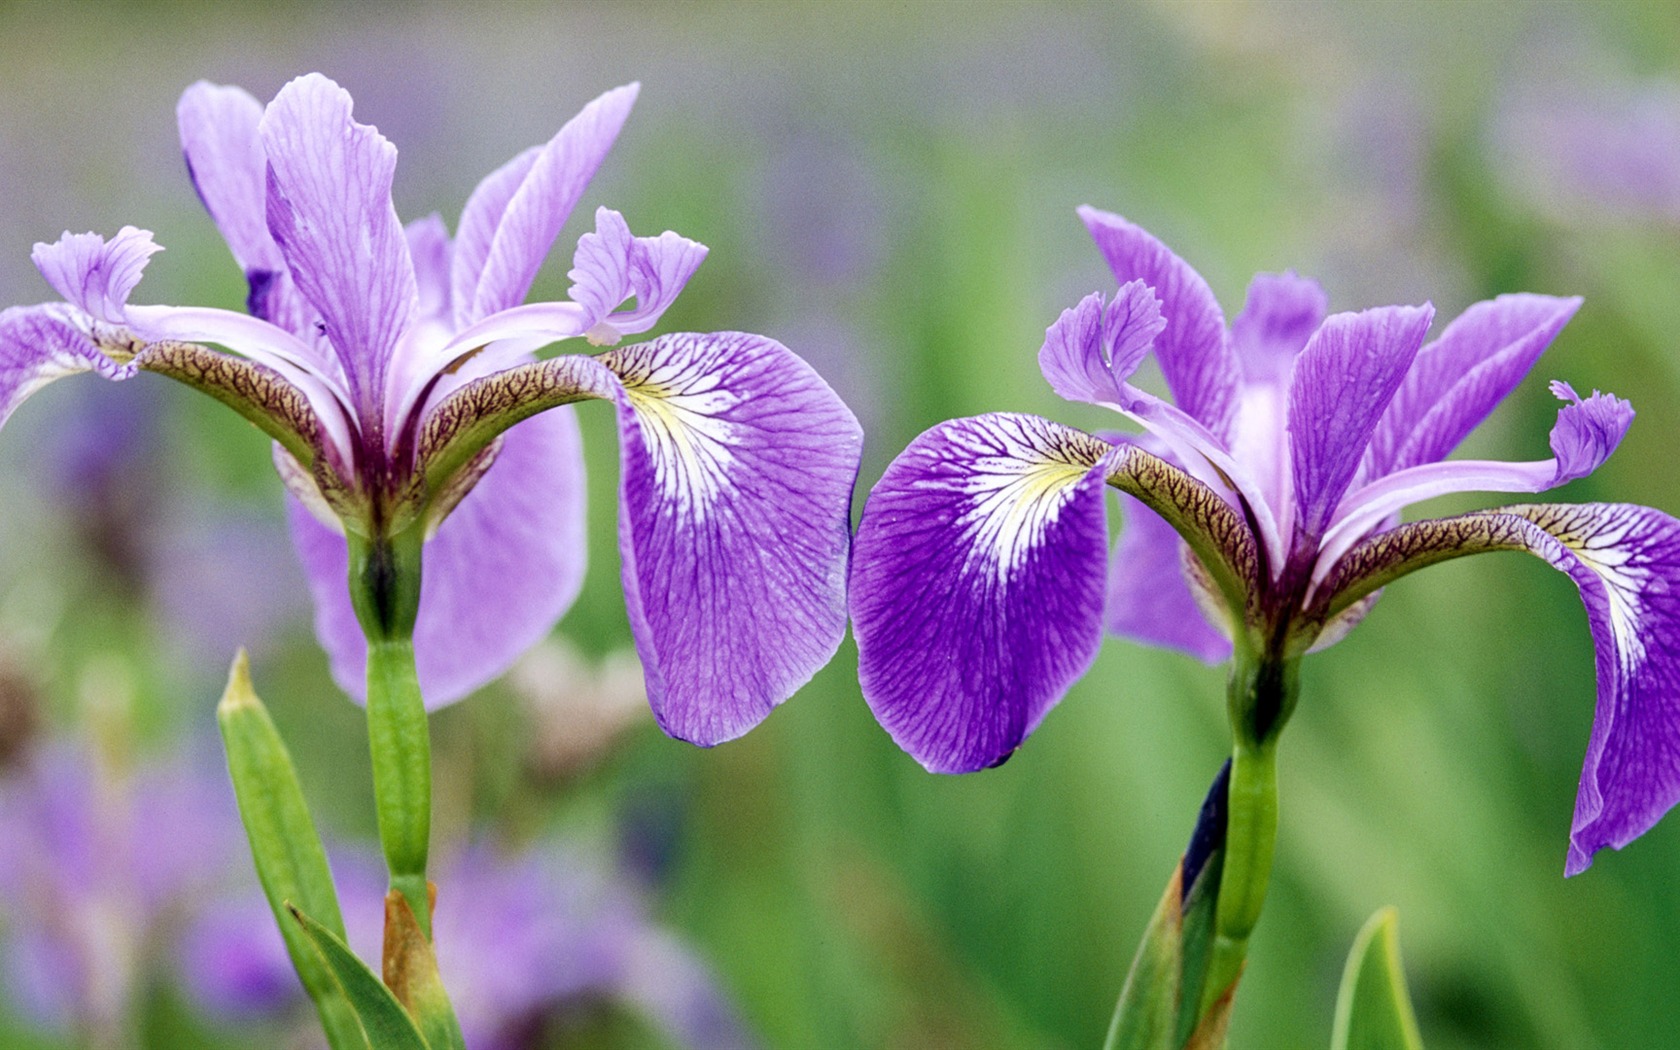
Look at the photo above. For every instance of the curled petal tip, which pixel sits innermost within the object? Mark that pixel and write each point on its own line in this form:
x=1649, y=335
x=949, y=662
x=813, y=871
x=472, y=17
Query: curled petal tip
x=1587, y=430
x=94, y=274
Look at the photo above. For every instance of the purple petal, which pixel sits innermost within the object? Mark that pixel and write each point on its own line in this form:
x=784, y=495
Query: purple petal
x=738, y=463
x=977, y=585
x=428, y=246
x=1342, y=382
x=94, y=275
x=611, y=266
x=501, y=570
x=1149, y=596
x=1459, y=378
x=1282, y=312
x=1586, y=432
x=534, y=213
x=1200, y=368
x=41, y=343
x=1091, y=351
x=329, y=208
x=477, y=231
x=600, y=270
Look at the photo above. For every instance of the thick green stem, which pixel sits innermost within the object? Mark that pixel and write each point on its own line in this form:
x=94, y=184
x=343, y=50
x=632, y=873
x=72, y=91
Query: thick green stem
x=1261, y=699
x=400, y=742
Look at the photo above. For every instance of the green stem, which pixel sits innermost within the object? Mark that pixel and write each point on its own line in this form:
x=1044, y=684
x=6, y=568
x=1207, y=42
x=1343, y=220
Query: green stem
x=1261, y=699
x=400, y=742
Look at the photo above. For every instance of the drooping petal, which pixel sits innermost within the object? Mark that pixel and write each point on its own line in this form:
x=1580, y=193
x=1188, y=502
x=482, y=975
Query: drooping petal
x=977, y=584
x=1586, y=433
x=1341, y=384
x=526, y=226
x=1149, y=596
x=1625, y=560
x=737, y=466
x=41, y=343
x=1201, y=371
x=329, y=209
x=1459, y=378
x=96, y=275
x=1282, y=312
x=1091, y=350
x=502, y=569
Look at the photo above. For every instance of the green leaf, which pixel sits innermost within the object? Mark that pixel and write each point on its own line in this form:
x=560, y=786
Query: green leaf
x=1147, y=1016
x=1200, y=905
x=1373, y=1009
x=387, y=1024
x=284, y=846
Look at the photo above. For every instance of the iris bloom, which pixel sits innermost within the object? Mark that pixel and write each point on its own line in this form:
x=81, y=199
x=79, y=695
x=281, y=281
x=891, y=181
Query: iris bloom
x=1264, y=512
x=391, y=364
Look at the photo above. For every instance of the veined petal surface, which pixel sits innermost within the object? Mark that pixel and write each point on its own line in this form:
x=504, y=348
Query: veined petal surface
x=1625, y=560
x=502, y=569
x=977, y=586
x=96, y=275
x=738, y=463
x=41, y=343
x=329, y=209
x=1281, y=313
x=1200, y=369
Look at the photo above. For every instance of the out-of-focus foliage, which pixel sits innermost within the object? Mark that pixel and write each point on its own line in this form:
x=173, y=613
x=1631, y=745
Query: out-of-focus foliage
x=891, y=192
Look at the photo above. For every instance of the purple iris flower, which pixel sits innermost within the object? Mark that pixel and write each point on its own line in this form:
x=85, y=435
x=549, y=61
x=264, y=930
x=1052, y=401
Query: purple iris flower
x=1262, y=510
x=521, y=940
x=393, y=367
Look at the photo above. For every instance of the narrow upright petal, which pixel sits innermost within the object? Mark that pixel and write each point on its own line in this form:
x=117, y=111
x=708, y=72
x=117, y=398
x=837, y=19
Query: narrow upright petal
x=1149, y=597
x=736, y=480
x=977, y=590
x=534, y=213
x=428, y=246
x=1625, y=560
x=1459, y=378
x=502, y=569
x=1342, y=382
x=1282, y=312
x=96, y=275
x=1200, y=368
x=329, y=208
x=41, y=343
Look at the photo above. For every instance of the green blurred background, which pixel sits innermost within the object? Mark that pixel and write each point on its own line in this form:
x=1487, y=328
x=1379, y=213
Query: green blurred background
x=890, y=190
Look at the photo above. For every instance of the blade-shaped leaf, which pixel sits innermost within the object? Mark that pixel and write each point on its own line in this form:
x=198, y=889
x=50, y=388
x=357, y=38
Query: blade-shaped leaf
x=387, y=1024
x=1146, y=1018
x=1373, y=1009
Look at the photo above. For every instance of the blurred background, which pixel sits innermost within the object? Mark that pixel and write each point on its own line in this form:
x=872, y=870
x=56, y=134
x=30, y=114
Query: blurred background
x=889, y=189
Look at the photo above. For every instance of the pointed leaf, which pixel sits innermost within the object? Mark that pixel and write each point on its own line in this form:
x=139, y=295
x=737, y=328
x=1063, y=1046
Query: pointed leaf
x=289, y=859
x=1146, y=1018
x=387, y=1024
x=1373, y=1009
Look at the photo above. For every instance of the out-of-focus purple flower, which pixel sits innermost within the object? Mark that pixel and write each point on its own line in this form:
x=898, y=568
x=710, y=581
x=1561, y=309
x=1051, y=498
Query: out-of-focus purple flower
x=392, y=366
x=91, y=859
x=1278, y=469
x=521, y=940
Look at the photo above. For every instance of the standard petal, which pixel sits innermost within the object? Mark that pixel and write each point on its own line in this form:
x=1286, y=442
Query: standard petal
x=502, y=569
x=428, y=247
x=977, y=585
x=1149, y=596
x=737, y=467
x=1625, y=560
x=329, y=209
x=1201, y=371
x=1459, y=378
x=96, y=275
x=1341, y=384
x=546, y=195
x=477, y=230
x=41, y=343
x=1282, y=312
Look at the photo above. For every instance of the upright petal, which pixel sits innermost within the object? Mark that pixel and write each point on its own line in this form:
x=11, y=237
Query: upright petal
x=736, y=482
x=41, y=343
x=502, y=569
x=1459, y=378
x=1149, y=596
x=1201, y=371
x=96, y=275
x=329, y=208
x=977, y=585
x=1625, y=560
x=534, y=213
x=1342, y=382
x=1282, y=312
x=477, y=230
x=428, y=247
